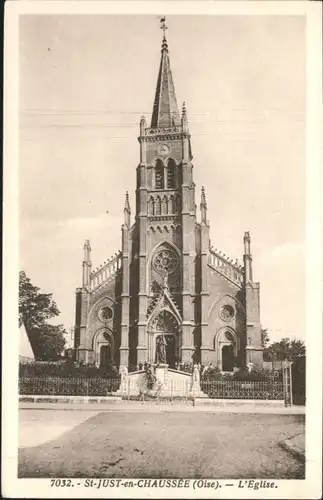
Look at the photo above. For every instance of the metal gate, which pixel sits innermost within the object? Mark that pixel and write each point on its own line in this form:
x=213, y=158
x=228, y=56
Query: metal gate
x=299, y=381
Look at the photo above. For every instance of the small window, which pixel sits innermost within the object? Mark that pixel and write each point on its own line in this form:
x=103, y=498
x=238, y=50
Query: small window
x=158, y=206
x=159, y=175
x=171, y=168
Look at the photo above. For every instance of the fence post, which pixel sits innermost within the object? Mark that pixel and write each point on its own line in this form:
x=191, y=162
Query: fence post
x=128, y=389
x=286, y=385
x=291, y=383
x=171, y=391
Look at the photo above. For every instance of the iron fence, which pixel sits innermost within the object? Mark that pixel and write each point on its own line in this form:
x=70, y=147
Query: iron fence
x=173, y=391
x=234, y=389
x=69, y=386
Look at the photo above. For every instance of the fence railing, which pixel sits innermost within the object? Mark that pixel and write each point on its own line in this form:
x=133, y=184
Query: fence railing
x=243, y=389
x=59, y=386
x=130, y=389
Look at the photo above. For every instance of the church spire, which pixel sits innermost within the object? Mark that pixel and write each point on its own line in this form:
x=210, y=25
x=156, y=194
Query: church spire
x=165, y=110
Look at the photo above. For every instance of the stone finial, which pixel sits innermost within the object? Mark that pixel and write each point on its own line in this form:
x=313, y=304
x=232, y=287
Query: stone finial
x=143, y=125
x=127, y=204
x=247, y=242
x=184, y=118
x=247, y=258
x=203, y=206
x=87, y=245
x=203, y=197
x=87, y=251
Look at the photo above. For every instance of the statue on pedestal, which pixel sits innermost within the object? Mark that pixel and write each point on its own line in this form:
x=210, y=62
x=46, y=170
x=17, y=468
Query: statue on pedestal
x=196, y=374
x=160, y=356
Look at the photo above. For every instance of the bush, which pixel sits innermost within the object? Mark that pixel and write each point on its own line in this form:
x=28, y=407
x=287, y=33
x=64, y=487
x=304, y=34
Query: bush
x=68, y=386
x=65, y=369
x=186, y=367
x=256, y=375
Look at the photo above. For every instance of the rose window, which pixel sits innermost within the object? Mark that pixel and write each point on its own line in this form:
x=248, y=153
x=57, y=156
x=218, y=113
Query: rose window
x=106, y=314
x=166, y=261
x=227, y=312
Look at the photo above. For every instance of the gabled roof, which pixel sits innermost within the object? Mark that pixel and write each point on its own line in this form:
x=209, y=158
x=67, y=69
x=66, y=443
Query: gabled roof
x=166, y=302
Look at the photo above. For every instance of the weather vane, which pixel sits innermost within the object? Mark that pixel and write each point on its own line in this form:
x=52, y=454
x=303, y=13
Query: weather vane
x=163, y=24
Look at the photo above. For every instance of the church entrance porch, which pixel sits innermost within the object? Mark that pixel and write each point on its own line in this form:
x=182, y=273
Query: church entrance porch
x=164, y=339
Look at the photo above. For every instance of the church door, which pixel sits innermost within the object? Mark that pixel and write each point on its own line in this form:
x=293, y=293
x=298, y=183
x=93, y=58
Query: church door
x=170, y=350
x=227, y=358
x=105, y=356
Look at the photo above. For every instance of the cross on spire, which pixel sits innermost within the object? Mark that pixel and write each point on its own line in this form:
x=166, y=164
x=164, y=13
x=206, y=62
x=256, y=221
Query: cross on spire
x=163, y=25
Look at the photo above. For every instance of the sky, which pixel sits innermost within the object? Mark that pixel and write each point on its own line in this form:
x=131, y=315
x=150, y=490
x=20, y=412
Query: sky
x=84, y=83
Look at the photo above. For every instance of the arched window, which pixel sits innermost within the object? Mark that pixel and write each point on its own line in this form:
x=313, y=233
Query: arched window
x=165, y=206
x=171, y=206
x=177, y=208
x=159, y=175
x=151, y=206
x=158, y=206
x=171, y=168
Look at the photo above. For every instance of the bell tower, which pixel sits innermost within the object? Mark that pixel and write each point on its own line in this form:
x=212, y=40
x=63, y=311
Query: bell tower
x=165, y=212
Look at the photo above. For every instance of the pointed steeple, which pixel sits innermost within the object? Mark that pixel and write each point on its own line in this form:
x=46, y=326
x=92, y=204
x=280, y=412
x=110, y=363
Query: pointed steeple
x=165, y=110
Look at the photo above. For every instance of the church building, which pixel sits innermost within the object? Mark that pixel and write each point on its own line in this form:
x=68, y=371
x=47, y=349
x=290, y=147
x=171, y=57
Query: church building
x=168, y=281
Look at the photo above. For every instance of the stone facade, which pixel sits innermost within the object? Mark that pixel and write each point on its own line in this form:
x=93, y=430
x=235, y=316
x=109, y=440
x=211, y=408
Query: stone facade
x=168, y=280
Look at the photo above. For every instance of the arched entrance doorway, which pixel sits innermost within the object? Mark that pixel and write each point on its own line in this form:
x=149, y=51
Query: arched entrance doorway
x=164, y=326
x=105, y=356
x=103, y=346
x=226, y=344
x=227, y=358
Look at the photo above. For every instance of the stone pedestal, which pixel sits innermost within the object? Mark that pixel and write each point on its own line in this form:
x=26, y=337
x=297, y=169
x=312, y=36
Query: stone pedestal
x=161, y=373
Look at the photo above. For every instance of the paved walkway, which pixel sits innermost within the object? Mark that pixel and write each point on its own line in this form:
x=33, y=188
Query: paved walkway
x=166, y=407
x=38, y=426
x=191, y=444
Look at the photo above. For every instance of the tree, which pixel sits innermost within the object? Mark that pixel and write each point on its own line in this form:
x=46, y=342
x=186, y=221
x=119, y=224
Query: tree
x=264, y=337
x=285, y=349
x=35, y=308
x=47, y=341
